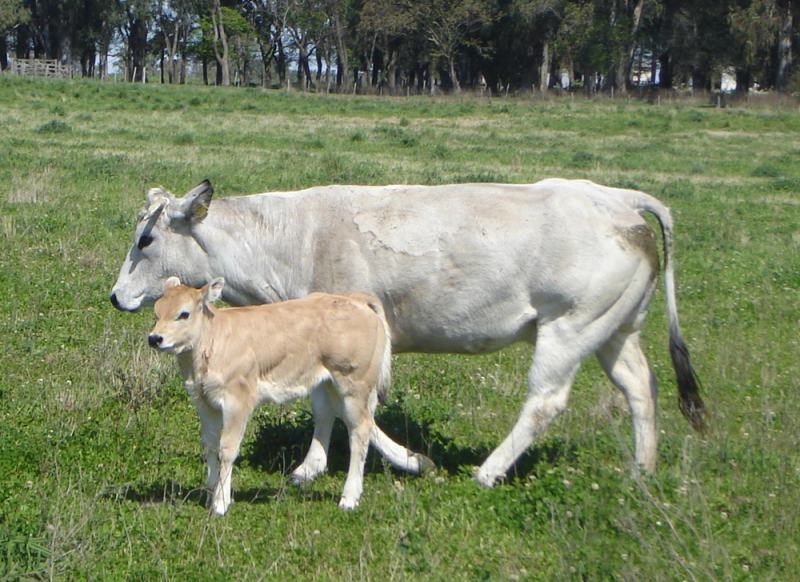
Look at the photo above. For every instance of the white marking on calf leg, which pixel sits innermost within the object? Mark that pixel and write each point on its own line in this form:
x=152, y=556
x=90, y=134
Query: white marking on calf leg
x=210, y=431
x=234, y=421
x=359, y=423
x=316, y=460
x=550, y=378
x=625, y=364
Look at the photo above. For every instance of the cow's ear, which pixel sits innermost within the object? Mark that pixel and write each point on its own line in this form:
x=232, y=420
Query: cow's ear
x=213, y=291
x=194, y=206
x=155, y=194
x=171, y=282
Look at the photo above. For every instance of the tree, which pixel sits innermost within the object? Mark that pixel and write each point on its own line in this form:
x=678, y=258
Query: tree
x=221, y=52
x=12, y=14
x=176, y=19
x=450, y=25
x=386, y=23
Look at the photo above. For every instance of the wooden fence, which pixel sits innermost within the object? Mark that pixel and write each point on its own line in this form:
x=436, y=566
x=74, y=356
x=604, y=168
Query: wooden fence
x=40, y=68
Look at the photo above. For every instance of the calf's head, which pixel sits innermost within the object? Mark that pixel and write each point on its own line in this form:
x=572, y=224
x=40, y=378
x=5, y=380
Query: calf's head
x=180, y=314
x=164, y=244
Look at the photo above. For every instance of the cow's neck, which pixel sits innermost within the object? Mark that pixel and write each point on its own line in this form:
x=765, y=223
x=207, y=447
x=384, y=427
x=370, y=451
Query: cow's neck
x=259, y=245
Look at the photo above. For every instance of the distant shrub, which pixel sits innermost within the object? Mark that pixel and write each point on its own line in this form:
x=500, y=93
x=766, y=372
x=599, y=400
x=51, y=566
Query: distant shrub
x=677, y=189
x=440, y=151
x=482, y=176
x=357, y=136
x=183, y=139
x=766, y=171
x=195, y=101
x=582, y=159
x=54, y=126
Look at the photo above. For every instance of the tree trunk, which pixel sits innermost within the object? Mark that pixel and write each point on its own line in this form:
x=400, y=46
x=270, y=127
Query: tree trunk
x=220, y=39
x=137, y=48
x=665, y=59
x=281, y=62
x=453, y=75
x=743, y=80
x=266, y=50
x=544, y=67
x=3, y=53
x=341, y=52
x=784, y=46
x=302, y=66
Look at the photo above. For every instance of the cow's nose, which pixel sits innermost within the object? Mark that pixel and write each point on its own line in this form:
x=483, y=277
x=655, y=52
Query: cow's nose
x=154, y=340
x=115, y=301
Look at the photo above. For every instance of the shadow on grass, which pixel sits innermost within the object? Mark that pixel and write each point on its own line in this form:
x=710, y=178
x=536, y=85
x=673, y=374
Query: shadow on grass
x=156, y=493
x=171, y=492
x=282, y=447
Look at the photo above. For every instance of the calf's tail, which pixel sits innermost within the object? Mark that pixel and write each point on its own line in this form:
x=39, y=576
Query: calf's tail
x=385, y=371
x=689, y=400
x=385, y=374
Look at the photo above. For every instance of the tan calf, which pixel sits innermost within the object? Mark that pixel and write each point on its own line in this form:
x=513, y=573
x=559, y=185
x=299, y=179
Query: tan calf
x=335, y=348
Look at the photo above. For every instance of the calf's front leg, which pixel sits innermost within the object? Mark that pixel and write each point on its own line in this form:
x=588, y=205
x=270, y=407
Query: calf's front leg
x=210, y=431
x=234, y=421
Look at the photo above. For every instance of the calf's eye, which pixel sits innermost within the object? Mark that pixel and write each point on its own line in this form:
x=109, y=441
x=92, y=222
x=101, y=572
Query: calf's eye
x=183, y=315
x=145, y=241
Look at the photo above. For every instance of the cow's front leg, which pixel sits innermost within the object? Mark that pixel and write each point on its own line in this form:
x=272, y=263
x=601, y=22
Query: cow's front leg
x=316, y=460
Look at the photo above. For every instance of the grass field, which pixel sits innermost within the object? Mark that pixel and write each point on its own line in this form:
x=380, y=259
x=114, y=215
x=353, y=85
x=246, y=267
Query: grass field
x=100, y=459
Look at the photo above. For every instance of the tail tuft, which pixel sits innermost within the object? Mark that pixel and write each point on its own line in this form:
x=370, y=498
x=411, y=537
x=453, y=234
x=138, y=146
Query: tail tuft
x=689, y=400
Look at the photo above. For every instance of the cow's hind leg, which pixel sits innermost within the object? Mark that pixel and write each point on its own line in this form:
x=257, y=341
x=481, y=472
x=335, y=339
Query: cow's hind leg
x=556, y=360
x=397, y=455
x=625, y=363
x=316, y=460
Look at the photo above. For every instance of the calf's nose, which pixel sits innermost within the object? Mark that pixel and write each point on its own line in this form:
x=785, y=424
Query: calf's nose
x=154, y=340
x=114, y=300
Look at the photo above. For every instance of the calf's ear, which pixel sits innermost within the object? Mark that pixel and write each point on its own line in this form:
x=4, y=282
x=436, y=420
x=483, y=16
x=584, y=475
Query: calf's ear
x=213, y=291
x=171, y=282
x=194, y=206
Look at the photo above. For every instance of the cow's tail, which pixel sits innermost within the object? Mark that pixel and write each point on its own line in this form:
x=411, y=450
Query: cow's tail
x=689, y=400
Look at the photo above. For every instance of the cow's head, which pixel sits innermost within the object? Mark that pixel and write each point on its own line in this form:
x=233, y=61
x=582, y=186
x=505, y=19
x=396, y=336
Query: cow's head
x=180, y=313
x=163, y=244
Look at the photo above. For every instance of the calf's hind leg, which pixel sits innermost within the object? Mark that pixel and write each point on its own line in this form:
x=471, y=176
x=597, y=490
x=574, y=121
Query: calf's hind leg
x=359, y=421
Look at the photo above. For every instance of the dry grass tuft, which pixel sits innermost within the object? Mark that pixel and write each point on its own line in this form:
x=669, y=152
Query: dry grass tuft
x=33, y=188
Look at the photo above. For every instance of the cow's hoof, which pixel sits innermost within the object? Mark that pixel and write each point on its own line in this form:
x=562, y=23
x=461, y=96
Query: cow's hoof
x=348, y=504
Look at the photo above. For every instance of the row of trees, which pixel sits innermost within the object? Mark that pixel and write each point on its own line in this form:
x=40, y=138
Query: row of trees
x=419, y=45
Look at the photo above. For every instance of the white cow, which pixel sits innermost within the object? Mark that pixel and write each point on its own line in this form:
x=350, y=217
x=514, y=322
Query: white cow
x=334, y=348
x=467, y=268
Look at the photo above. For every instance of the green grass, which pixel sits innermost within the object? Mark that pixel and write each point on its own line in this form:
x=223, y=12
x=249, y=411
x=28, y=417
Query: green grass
x=99, y=447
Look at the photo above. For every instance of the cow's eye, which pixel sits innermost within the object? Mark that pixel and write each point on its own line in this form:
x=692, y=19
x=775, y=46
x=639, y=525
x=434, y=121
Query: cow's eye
x=183, y=315
x=145, y=241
